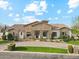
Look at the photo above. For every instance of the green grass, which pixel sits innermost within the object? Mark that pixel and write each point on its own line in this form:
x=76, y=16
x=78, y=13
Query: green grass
x=73, y=42
x=3, y=42
x=41, y=49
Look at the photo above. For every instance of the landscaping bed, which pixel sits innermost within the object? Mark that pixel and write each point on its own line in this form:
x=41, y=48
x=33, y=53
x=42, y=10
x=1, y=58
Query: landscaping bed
x=76, y=42
x=41, y=49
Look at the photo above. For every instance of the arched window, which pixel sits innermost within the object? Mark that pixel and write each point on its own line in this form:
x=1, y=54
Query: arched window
x=45, y=33
x=21, y=33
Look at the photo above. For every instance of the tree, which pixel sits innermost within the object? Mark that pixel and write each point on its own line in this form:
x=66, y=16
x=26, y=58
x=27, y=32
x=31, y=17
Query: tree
x=75, y=27
x=10, y=37
x=3, y=30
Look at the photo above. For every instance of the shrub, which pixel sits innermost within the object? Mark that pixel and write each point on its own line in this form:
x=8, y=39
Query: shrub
x=4, y=37
x=16, y=38
x=64, y=38
x=43, y=39
x=70, y=48
x=10, y=37
x=33, y=39
x=11, y=46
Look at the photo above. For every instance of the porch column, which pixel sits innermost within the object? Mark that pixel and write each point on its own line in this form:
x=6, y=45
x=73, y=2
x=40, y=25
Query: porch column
x=58, y=33
x=33, y=34
x=41, y=34
x=70, y=34
x=49, y=34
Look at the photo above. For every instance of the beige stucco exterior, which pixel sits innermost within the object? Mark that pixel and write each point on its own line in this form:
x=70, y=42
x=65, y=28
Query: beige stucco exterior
x=40, y=30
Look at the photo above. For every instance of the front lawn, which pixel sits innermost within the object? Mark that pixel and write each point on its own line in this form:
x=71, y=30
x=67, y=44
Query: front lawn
x=76, y=42
x=41, y=49
x=3, y=41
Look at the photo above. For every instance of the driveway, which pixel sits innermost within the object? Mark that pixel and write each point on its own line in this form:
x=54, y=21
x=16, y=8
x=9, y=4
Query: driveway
x=3, y=47
x=37, y=44
x=42, y=44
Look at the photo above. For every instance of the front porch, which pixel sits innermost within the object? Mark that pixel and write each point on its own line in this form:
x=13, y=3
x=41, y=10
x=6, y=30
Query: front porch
x=43, y=34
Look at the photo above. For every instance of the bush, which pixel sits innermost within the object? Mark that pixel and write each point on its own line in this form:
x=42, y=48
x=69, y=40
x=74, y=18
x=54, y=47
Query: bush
x=16, y=38
x=43, y=39
x=65, y=38
x=70, y=48
x=11, y=46
x=4, y=37
x=72, y=38
x=10, y=37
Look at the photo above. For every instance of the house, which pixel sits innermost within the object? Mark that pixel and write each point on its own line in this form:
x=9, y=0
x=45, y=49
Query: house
x=40, y=30
x=1, y=31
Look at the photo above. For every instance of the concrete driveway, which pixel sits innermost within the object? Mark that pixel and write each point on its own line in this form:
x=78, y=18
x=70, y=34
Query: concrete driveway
x=3, y=47
x=42, y=44
x=37, y=44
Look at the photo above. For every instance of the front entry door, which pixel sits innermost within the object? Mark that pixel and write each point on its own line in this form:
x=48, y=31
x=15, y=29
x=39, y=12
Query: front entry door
x=37, y=34
x=53, y=35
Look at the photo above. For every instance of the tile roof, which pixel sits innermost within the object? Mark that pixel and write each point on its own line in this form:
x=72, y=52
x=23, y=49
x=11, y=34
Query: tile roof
x=59, y=25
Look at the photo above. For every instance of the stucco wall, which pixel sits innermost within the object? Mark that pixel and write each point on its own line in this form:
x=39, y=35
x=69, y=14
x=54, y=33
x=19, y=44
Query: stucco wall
x=32, y=55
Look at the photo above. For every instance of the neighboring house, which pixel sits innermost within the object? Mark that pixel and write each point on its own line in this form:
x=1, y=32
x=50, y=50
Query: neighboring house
x=40, y=30
x=1, y=33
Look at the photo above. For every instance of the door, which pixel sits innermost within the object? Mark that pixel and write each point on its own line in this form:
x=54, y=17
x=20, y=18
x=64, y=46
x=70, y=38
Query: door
x=53, y=35
x=37, y=34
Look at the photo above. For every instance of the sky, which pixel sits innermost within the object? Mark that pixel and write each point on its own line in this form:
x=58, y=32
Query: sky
x=27, y=11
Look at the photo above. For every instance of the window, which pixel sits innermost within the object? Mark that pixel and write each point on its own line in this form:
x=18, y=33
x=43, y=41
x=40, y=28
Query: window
x=28, y=34
x=63, y=33
x=45, y=34
x=54, y=34
x=21, y=33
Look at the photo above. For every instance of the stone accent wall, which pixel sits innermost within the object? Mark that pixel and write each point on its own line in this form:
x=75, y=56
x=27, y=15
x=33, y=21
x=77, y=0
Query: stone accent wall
x=33, y=55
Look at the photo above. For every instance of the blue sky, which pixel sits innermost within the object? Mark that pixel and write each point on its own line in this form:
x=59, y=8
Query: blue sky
x=27, y=11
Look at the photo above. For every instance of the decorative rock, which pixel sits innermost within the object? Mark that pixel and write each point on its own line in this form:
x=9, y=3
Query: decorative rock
x=76, y=49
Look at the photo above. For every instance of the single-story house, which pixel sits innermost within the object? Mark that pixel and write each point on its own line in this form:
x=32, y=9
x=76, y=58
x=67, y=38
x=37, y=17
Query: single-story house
x=39, y=29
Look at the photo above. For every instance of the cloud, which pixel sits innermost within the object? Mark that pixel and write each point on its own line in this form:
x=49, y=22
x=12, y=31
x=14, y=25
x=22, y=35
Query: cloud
x=49, y=18
x=4, y=5
x=17, y=19
x=14, y=15
x=10, y=8
x=43, y=5
x=70, y=11
x=73, y=4
x=37, y=7
x=54, y=18
x=17, y=15
x=29, y=19
x=10, y=15
x=58, y=11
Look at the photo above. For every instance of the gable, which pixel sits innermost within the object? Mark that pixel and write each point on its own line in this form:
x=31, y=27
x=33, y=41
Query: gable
x=65, y=29
x=42, y=26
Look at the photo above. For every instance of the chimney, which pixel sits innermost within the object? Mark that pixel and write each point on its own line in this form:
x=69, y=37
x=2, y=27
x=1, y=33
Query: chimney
x=45, y=21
